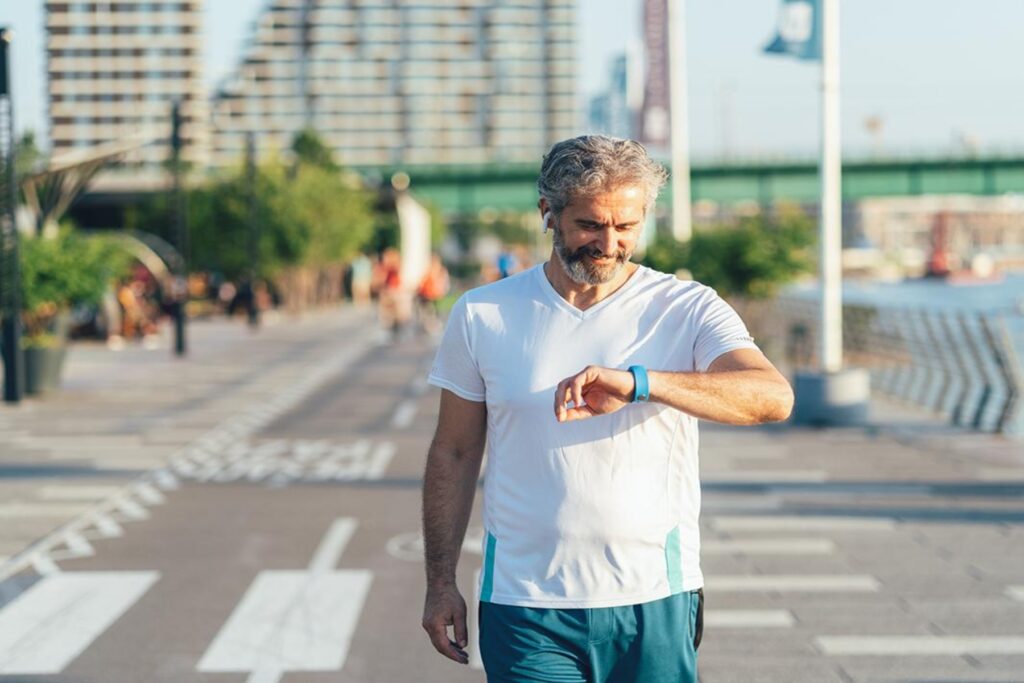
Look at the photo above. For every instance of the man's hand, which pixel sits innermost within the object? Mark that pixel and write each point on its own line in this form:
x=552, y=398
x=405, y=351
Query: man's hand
x=445, y=607
x=593, y=391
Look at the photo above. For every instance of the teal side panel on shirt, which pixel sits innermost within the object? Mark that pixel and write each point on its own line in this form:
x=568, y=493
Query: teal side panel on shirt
x=487, y=583
x=673, y=561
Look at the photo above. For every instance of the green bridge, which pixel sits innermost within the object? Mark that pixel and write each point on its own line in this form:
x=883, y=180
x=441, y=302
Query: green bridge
x=508, y=187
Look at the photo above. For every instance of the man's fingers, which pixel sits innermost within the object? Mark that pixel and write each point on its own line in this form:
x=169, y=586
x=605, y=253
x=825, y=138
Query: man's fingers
x=578, y=413
x=461, y=632
x=438, y=632
x=577, y=390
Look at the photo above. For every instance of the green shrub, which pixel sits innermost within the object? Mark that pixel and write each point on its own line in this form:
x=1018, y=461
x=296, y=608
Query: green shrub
x=62, y=272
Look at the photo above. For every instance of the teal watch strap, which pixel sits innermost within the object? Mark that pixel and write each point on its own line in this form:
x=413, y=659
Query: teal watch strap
x=642, y=391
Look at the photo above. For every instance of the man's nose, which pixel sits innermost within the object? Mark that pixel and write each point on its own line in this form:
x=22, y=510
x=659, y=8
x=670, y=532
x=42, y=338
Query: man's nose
x=608, y=241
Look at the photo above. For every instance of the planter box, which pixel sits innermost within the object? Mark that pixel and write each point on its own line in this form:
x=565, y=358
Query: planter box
x=43, y=368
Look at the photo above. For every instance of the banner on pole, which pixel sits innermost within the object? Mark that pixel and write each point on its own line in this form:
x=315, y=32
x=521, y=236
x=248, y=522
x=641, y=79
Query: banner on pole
x=799, y=30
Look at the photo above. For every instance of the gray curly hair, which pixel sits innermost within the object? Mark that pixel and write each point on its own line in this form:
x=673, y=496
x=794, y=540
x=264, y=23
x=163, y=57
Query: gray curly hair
x=589, y=164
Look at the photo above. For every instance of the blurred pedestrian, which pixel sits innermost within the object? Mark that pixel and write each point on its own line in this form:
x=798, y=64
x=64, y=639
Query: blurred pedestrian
x=433, y=287
x=362, y=279
x=394, y=303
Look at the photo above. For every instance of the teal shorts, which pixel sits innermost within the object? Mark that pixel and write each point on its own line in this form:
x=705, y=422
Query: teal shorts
x=651, y=642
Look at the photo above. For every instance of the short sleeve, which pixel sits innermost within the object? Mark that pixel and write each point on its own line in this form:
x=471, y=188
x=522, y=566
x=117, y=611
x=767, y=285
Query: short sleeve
x=455, y=367
x=719, y=330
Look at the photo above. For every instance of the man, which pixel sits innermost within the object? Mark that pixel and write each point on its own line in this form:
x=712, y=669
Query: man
x=585, y=376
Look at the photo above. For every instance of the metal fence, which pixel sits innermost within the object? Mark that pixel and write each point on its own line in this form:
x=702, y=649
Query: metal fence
x=966, y=366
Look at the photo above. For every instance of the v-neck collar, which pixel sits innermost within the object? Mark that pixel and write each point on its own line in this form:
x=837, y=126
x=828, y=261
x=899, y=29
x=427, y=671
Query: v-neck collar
x=583, y=314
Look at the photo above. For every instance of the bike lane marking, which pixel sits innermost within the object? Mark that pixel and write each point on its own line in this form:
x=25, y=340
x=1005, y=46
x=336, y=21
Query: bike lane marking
x=294, y=620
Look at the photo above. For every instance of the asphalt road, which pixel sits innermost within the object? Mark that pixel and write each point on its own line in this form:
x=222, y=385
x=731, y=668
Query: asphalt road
x=293, y=557
x=291, y=553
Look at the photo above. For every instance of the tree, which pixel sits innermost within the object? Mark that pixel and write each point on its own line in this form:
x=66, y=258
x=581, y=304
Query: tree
x=751, y=259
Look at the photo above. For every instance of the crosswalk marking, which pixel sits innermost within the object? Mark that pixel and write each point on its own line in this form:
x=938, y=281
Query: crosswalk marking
x=769, y=546
x=27, y=510
x=294, y=620
x=789, y=523
x=953, y=646
x=749, y=618
x=765, y=476
x=404, y=414
x=70, y=492
x=799, y=583
x=51, y=623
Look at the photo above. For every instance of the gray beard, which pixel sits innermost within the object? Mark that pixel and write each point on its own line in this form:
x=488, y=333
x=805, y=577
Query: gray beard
x=584, y=272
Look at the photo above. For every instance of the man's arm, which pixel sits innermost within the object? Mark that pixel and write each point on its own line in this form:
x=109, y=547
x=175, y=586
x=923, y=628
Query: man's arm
x=741, y=387
x=449, y=485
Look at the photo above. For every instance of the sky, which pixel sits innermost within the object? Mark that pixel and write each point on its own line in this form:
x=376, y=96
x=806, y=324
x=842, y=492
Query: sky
x=938, y=74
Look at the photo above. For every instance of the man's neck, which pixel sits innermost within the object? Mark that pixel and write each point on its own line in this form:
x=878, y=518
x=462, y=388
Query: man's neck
x=583, y=296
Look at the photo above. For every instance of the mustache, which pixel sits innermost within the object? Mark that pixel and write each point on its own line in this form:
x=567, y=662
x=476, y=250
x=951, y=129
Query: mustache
x=577, y=255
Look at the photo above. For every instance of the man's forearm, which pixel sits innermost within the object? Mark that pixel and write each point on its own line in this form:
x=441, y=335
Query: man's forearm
x=449, y=485
x=733, y=396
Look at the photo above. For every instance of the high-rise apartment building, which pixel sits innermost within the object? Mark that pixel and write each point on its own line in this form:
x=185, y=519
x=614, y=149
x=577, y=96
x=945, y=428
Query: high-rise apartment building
x=389, y=82
x=114, y=70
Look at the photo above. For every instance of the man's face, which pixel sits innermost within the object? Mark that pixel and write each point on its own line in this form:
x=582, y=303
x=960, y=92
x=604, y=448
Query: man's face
x=595, y=236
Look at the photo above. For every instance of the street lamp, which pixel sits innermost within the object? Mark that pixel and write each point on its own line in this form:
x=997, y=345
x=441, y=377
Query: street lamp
x=10, y=272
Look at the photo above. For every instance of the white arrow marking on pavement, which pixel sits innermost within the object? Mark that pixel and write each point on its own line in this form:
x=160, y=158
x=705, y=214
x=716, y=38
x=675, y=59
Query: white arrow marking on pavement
x=53, y=622
x=294, y=620
x=953, y=646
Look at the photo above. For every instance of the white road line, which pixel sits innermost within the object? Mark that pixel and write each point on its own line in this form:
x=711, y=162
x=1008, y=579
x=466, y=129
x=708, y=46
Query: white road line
x=1000, y=474
x=149, y=494
x=404, y=414
x=901, y=646
x=769, y=546
x=55, y=620
x=1015, y=592
x=44, y=564
x=765, y=476
x=749, y=618
x=294, y=620
x=380, y=460
x=86, y=493
x=796, y=583
x=333, y=545
x=129, y=508
x=26, y=510
x=770, y=523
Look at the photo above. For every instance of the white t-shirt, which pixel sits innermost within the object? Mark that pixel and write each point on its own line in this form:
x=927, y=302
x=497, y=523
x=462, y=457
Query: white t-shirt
x=599, y=512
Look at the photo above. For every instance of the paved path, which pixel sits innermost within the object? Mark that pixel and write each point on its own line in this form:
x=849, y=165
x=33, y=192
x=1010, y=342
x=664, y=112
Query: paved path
x=280, y=541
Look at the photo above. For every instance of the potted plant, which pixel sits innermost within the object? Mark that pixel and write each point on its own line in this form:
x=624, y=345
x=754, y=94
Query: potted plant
x=58, y=273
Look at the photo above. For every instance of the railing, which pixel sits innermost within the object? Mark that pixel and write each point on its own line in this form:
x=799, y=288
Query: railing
x=966, y=366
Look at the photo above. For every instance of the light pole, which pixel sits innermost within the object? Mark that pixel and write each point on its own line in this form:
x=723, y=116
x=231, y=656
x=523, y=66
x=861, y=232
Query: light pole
x=180, y=285
x=678, y=127
x=10, y=271
x=250, y=175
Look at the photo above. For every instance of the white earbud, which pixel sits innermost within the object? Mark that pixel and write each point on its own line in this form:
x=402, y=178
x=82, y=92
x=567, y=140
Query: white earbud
x=547, y=221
